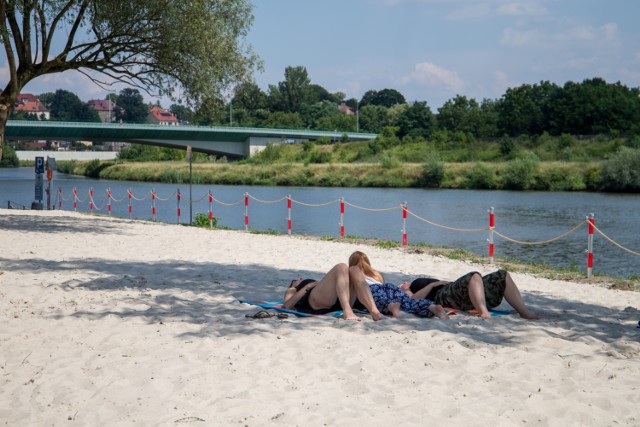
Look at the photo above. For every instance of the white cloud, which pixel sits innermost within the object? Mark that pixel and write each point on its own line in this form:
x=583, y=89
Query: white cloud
x=582, y=34
x=470, y=13
x=428, y=74
x=529, y=8
x=502, y=82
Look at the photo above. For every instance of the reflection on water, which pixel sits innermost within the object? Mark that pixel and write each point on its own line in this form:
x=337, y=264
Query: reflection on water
x=370, y=212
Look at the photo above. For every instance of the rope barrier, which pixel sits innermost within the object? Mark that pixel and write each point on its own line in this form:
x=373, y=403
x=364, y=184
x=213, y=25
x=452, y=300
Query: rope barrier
x=268, y=202
x=464, y=230
x=544, y=242
x=607, y=238
x=590, y=221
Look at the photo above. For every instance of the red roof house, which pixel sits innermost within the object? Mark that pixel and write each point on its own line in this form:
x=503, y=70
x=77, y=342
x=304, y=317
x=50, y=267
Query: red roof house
x=31, y=105
x=160, y=116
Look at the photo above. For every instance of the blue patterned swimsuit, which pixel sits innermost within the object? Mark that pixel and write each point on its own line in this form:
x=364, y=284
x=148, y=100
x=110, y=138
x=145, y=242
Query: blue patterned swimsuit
x=387, y=293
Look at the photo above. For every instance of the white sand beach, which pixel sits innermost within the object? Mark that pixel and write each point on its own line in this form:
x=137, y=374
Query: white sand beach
x=108, y=322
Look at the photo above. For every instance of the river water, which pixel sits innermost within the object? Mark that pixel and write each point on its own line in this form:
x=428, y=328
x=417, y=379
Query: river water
x=454, y=218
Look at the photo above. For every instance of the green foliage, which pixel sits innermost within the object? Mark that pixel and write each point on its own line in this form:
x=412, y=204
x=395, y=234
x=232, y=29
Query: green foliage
x=9, y=158
x=432, y=174
x=150, y=153
x=65, y=105
x=621, y=172
x=520, y=173
x=481, y=177
x=202, y=220
x=131, y=106
x=94, y=167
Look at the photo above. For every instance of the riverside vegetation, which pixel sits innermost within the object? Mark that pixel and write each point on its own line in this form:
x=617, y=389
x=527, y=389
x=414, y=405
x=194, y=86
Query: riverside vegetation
x=454, y=161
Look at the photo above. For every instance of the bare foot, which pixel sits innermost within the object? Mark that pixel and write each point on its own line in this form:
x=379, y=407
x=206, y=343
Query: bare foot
x=378, y=316
x=394, y=308
x=529, y=316
x=351, y=317
x=439, y=312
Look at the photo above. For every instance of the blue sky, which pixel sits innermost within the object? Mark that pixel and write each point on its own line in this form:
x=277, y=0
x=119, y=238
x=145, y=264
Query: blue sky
x=432, y=50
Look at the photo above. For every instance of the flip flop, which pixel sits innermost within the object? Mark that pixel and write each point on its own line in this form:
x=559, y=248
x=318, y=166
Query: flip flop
x=262, y=314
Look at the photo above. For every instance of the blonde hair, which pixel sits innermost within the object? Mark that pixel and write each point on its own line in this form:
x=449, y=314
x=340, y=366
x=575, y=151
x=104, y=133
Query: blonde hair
x=361, y=260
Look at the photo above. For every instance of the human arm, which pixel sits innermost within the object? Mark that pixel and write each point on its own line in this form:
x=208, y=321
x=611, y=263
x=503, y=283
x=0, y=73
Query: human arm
x=293, y=295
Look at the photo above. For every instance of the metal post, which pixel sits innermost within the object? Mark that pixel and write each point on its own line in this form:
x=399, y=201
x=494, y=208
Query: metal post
x=592, y=221
x=404, y=224
x=490, y=239
x=210, y=209
x=289, y=216
x=246, y=211
x=342, y=217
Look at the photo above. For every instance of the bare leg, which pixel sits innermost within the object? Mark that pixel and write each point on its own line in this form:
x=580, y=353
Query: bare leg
x=394, y=308
x=476, y=295
x=439, y=312
x=360, y=288
x=335, y=284
x=513, y=297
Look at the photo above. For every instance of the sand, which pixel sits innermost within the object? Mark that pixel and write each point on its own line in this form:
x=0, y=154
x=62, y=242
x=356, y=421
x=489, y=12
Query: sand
x=111, y=322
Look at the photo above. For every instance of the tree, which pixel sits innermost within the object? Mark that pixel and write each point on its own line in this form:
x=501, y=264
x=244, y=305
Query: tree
x=386, y=97
x=417, y=120
x=143, y=43
x=65, y=105
x=249, y=96
x=294, y=88
x=182, y=113
x=131, y=106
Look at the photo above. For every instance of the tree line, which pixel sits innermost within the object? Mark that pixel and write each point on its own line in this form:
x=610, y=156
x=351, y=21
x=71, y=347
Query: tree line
x=592, y=107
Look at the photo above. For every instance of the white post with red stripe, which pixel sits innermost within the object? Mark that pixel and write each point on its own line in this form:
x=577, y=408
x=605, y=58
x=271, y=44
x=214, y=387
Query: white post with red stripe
x=178, y=206
x=289, y=214
x=130, y=208
x=492, y=225
x=404, y=224
x=91, y=200
x=210, y=209
x=591, y=219
x=342, y=217
x=153, y=204
x=246, y=211
x=109, y=200
x=75, y=199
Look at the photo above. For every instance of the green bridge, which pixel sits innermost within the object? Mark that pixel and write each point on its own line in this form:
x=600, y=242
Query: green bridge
x=233, y=142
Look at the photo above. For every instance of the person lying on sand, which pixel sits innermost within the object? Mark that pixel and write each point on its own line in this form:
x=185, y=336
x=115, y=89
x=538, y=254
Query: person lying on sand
x=389, y=298
x=333, y=292
x=471, y=291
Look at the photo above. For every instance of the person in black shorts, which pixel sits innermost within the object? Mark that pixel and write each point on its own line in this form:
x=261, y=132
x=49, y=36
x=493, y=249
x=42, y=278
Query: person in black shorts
x=471, y=291
x=331, y=293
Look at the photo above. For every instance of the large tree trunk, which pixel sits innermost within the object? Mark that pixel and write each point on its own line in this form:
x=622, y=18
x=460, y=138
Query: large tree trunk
x=4, y=116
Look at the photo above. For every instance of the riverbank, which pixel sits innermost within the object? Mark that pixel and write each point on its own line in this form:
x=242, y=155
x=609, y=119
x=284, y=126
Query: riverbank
x=545, y=176
x=108, y=321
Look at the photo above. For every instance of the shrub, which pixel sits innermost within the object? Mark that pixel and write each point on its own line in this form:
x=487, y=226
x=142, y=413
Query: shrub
x=622, y=171
x=432, y=174
x=9, y=157
x=520, y=173
x=481, y=177
x=202, y=220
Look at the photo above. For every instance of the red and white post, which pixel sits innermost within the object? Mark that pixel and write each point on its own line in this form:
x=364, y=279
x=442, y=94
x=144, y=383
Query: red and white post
x=210, y=209
x=492, y=225
x=75, y=199
x=59, y=198
x=130, y=208
x=404, y=224
x=246, y=211
x=178, y=206
x=109, y=201
x=289, y=214
x=591, y=219
x=342, y=217
x=153, y=204
x=91, y=200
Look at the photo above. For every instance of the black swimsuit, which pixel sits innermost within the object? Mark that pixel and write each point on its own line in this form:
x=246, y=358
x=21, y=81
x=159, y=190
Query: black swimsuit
x=303, y=305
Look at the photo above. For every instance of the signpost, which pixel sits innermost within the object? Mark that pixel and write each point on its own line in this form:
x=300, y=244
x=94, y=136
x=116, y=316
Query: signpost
x=190, y=185
x=37, y=204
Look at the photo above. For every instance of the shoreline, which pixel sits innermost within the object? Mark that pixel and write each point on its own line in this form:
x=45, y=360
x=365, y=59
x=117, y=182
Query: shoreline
x=108, y=321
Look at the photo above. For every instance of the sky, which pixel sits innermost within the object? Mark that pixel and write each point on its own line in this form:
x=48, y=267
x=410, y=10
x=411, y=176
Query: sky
x=430, y=50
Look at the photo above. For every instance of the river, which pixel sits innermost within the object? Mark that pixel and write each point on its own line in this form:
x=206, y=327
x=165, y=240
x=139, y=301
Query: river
x=453, y=218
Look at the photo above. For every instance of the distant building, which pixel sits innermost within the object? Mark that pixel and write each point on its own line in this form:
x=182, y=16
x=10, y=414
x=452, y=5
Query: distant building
x=31, y=105
x=106, y=109
x=344, y=108
x=160, y=116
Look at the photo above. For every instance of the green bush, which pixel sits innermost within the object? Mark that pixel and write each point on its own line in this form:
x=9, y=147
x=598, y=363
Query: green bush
x=480, y=176
x=9, y=157
x=202, y=220
x=520, y=173
x=622, y=171
x=432, y=174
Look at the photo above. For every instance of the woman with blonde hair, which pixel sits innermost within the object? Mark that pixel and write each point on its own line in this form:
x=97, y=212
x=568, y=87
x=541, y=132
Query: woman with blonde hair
x=389, y=298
